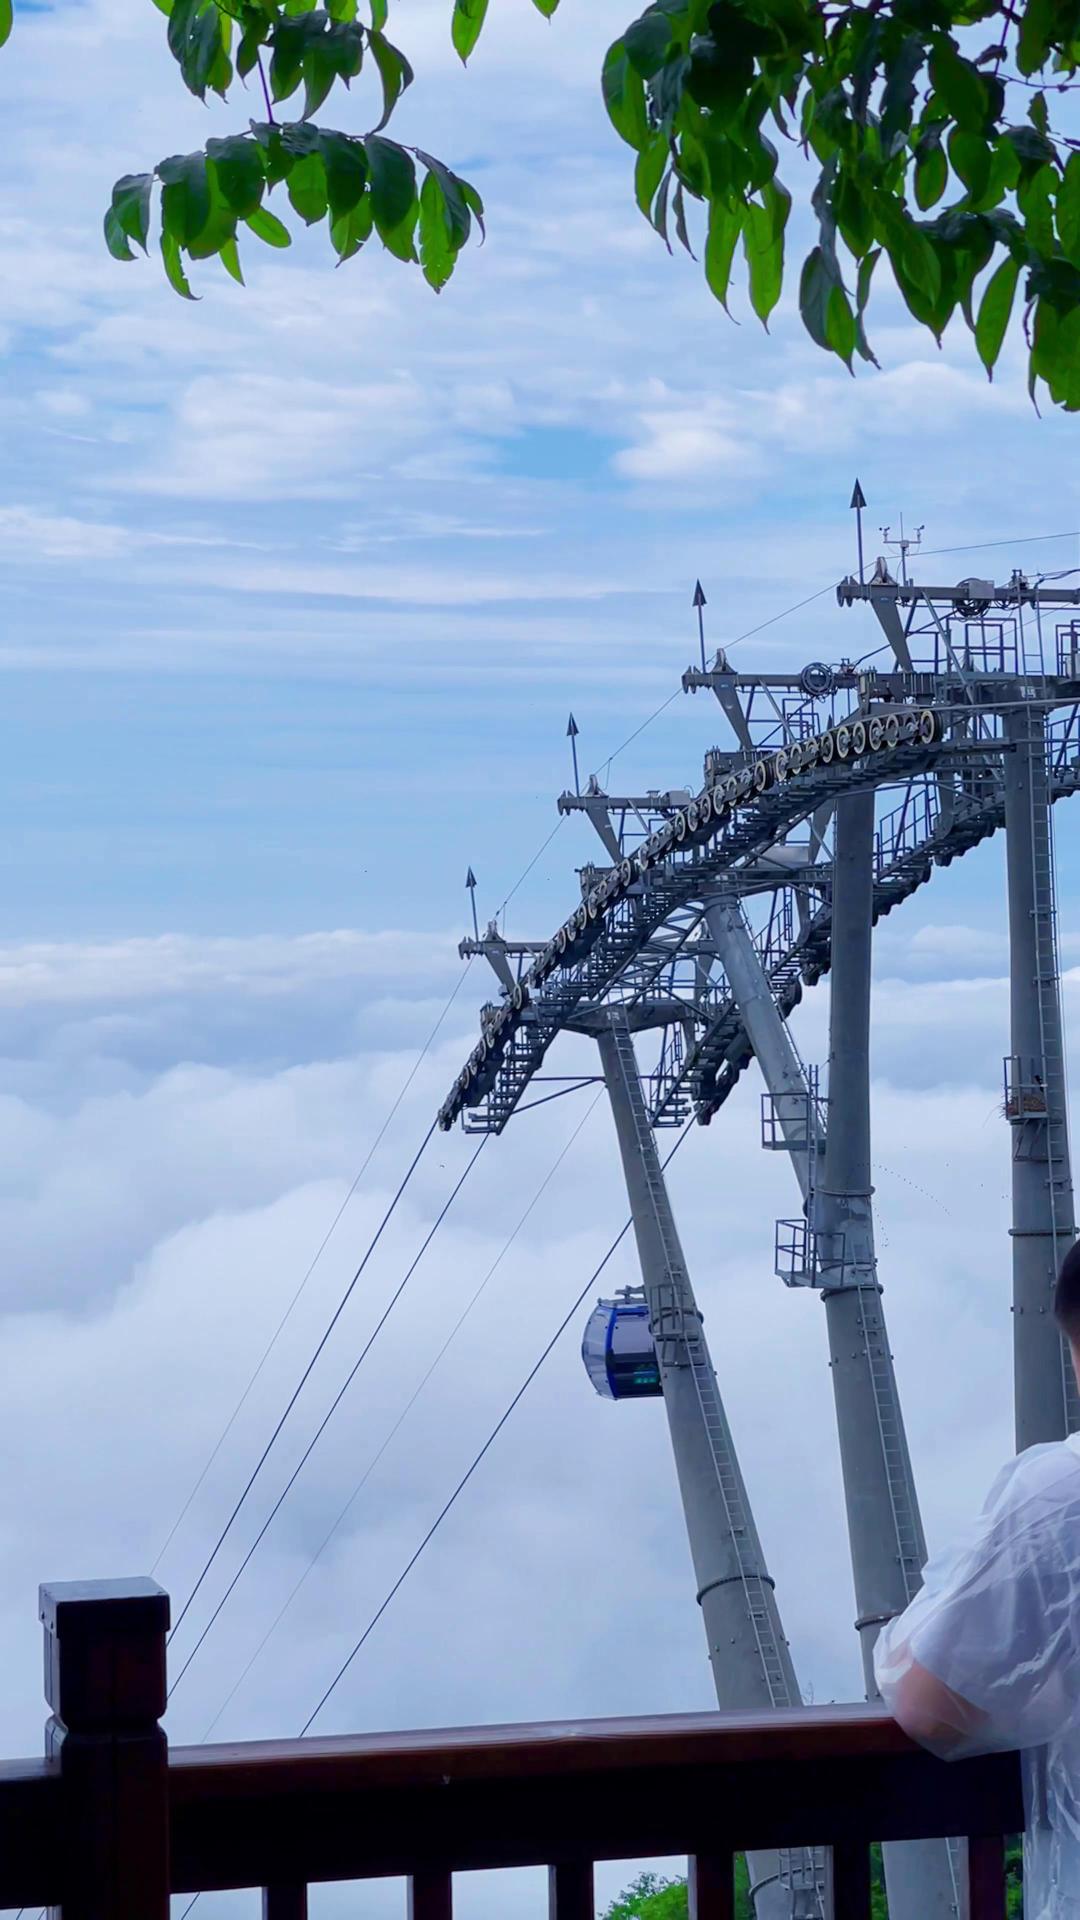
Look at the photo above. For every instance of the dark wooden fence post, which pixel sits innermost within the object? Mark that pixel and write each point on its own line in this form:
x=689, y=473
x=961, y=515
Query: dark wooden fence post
x=105, y=1682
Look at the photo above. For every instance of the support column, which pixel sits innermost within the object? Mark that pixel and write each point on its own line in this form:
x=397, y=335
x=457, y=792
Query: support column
x=888, y=1550
x=1043, y=1220
x=750, y=1658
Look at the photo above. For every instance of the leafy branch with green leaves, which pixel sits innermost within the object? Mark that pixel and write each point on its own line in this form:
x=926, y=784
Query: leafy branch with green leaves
x=930, y=150
x=359, y=184
x=923, y=135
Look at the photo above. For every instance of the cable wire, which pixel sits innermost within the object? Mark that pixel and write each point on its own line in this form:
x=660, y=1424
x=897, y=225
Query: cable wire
x=407, y=1409
x=332, y=1409
x=298, y=1389
x=320, y=1250
x=477, y=1458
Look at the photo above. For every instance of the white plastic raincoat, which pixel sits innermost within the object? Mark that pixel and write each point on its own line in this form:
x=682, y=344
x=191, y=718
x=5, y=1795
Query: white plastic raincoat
x=997, y=1622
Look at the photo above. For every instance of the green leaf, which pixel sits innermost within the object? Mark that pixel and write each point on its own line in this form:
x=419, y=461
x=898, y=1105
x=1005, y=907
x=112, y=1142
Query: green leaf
x=393, y=194
x=1034, y=200
x=350, y=230
x=678, y=208
x=379, y=14
x=230, y=259
x=197, y=42
x=648, y=171
x=995, y=308
x=466, y=25
x=459, y=200
x=345, y=163
x=971, y=158
x=624, y=97
x=185, y=196
x=898, y=93
x=763, y=245
x=306, y=188
x=128, y=218
x=241, y=173
x=546, y=7
x=862, y=295
x=817, y=284
x=725, y=226
x=7, y=18
x=960, y=87
x=931, y=170
x=170, y=253
x=437, y=249
x=647, y=41
x=266, y=226
x=1037, y=22
x=287, y=43
x=394, y=72
x=1068, y=209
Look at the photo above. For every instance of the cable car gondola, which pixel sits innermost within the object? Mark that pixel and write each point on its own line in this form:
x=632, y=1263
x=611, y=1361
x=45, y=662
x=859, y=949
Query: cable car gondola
x=618, y=1351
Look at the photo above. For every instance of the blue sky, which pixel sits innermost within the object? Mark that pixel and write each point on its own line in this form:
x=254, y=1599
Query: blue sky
x=300, y=585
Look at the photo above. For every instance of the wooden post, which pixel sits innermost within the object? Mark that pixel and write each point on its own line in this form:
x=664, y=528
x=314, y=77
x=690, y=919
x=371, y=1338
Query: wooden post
x=986, y=1879
x=105, y=1682
x=849, y=1879
x=711, y=1884
x=431, y=1895
x=570, y=1891
x=284, y=1903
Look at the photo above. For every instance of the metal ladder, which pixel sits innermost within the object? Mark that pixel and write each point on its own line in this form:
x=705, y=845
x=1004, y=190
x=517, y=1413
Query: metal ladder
x=680, y=1341
x=894, y=1453
x=1051, y=1041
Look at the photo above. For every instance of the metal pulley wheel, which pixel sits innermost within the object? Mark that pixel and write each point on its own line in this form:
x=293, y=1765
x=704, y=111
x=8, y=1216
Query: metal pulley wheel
x=843, y=743
x=731, y=789
x=828, y=749
x=811, y=751
x=693, y=816
x=858, y=739
x=680, y=826
x=643, y=860
x=875, y=734
x=929, y=726
x=909, y=727
x=581, y=918
x=795, y=759
x=592, y=905
x=892, y=731
x=626, y=872
x=562, y=940
x=816, y=679
x=705, y=810
x=781, y=763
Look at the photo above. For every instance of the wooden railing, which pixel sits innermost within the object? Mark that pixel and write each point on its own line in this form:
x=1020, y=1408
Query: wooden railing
x=111, y=1821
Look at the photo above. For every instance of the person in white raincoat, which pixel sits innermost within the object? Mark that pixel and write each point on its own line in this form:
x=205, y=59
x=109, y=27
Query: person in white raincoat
x=987, y=1655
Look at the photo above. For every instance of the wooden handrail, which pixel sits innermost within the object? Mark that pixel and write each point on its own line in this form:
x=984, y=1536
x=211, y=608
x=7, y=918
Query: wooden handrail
x=113, y=1822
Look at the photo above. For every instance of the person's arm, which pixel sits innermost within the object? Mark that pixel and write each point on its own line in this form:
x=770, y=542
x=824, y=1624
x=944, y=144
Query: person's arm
x=985, y=1656
x=931, y=1713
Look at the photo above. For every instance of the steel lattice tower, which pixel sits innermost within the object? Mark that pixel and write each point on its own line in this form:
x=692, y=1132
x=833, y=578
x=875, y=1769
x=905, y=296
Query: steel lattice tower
x=963, y=732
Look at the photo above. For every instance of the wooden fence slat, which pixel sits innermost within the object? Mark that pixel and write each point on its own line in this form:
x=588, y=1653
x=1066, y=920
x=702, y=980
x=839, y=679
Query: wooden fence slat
x=570, y=1891
x=284, y=1903
x=431, y=1895
x=986, y=1879
x=712, y=1886
x=851, y=1880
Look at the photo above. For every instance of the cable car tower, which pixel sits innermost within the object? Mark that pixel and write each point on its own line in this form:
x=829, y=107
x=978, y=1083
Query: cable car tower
x=845, y=788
